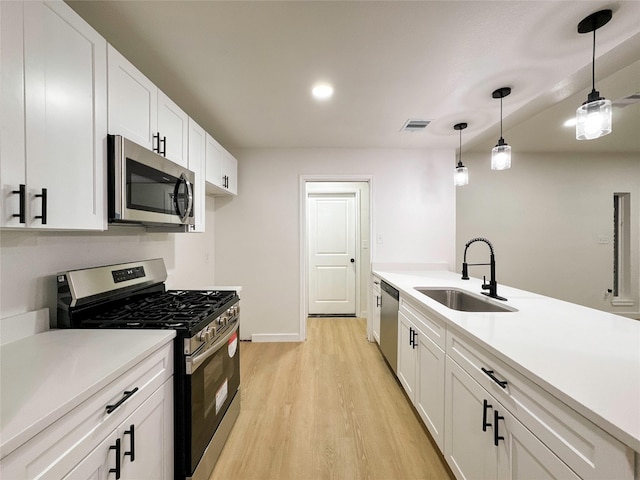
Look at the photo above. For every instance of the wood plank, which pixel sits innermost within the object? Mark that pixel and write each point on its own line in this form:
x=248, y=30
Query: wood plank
x=327, y=408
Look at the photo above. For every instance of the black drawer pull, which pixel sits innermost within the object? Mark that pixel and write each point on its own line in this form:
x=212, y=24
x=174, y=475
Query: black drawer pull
x=22, y=192
x=485, y=407
x=43, y=195
x=378, y=303
x=116, y=470
x=164, y=146
x=496, y=435
x=125, y=397
x=132, y=452
x=492, y=376
x=156, y=141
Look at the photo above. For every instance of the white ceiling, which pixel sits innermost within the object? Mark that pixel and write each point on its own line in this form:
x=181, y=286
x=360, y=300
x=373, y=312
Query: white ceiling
x=244, y=69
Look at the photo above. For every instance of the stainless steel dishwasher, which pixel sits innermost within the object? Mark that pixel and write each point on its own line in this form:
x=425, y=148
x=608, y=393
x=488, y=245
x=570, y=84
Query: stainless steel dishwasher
x=389, y=324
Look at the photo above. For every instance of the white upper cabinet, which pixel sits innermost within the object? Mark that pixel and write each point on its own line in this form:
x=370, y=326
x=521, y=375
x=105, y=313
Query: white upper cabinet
x=197, y=146
x=54, y=118
x=141, y=112
x=222, y=169
x=173, y=130
x=133, y=101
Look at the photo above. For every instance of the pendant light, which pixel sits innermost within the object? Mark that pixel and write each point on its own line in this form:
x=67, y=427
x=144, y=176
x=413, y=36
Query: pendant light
x=461, y=175
x=593, y=117
x=501, y=153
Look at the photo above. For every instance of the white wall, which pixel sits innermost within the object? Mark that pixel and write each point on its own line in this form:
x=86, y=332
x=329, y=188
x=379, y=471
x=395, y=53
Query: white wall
x=29, y=260
x=258, y=233
x=545, y=217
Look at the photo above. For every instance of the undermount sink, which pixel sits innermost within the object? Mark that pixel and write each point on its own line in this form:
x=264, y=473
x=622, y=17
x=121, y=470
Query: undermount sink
x=463, y=301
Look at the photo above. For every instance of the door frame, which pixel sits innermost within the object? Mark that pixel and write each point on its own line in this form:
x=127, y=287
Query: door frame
x=362, y=236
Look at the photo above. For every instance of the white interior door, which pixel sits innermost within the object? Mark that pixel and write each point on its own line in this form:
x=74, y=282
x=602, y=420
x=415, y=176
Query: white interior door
x=332, y=253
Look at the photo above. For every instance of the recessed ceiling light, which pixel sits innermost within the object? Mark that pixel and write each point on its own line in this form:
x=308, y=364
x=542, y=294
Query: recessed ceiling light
x=570, y=122
x=322, y=91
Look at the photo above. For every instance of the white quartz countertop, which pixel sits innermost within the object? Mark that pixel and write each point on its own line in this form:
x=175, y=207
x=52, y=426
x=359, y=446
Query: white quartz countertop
x=45, y=376
x=588, y=359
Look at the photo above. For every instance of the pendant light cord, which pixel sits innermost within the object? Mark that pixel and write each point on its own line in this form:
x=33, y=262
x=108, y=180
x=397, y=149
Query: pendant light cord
x=460, y=150
x=593, y=62
x=501, y=118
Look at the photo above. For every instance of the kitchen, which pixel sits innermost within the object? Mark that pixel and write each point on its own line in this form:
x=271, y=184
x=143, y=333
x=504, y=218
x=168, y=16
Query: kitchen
x=243, y=241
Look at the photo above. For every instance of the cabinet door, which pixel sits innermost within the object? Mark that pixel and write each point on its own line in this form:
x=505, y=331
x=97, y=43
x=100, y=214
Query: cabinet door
x=148, y=435
x=12, y=155
x=468, y=449
x=521, y=456
x=65, y=118
x=96, y=465
x=230, y=173
x=215, y=159
x=407, y=355
x=429, y=400
x=173, y=128
x=197, y=158
x=133, y=101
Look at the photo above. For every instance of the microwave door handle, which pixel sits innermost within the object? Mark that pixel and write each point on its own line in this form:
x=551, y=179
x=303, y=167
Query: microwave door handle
x=183, y=216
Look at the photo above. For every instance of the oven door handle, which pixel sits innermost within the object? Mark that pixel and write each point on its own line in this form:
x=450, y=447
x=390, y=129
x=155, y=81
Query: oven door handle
x=195, y=361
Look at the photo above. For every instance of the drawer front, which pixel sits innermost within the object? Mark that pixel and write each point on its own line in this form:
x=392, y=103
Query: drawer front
x=431, y=327
x=590, y=451
x=88, y=424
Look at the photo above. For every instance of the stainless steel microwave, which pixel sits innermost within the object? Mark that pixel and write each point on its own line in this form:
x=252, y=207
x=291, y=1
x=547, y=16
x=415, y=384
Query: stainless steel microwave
x=146, y=188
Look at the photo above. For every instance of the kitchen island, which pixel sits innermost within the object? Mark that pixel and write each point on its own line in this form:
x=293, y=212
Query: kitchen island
x=579, y=357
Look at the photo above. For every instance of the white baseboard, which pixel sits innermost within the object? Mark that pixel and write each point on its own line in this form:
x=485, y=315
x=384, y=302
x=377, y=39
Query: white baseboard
x=275, y=337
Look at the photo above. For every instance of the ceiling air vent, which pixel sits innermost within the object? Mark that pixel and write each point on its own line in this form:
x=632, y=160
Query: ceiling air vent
x=415, y=125
x=628, y=100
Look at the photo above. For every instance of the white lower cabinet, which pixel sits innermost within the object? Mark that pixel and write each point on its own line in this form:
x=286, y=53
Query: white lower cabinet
x=138, y=448
x=499, y=424
x=421, y=369
x=132, y=440
x=484, y=440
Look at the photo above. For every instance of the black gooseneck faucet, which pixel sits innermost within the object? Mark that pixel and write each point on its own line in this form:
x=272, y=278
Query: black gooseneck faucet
x=492, y=286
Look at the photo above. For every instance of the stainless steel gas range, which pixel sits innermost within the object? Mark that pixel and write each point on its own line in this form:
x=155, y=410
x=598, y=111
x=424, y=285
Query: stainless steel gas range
x=207, y=358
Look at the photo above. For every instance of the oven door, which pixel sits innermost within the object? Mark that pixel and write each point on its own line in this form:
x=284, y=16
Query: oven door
x=212, y=384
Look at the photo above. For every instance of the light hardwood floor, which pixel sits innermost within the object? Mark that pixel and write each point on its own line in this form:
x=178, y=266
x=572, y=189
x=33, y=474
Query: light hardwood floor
x=327, y=408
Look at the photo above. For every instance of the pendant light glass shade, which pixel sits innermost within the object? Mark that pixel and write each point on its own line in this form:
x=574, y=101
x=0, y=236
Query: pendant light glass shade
x=501, y=153
x=461, y=173
x=501, y=157
x=593, y=117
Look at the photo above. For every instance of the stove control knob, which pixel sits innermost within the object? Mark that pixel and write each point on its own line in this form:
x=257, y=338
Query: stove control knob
x=203, y=334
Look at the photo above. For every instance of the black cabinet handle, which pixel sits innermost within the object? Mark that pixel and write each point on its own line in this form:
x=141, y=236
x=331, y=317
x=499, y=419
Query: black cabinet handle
x=496, y=435
x=43, y=195
x=485, y=407
x=164, y=146
x=155, y=143
x=412, y=338
x=116, y=470
x=125, y=397
x=23, y=193
x=131, y=432
x=492, y=376
x=378, y=304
